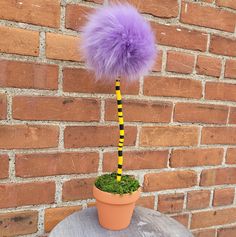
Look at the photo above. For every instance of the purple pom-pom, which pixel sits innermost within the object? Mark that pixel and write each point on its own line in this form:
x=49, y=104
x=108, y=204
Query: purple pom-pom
x=118, y=42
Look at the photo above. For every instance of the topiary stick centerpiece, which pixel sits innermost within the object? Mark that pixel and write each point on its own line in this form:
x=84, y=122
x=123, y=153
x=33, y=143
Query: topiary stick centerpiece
x=122, y=131
x=118, y=44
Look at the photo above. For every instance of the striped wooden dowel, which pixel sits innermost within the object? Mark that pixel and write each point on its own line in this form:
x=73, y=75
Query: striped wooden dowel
x=122, y=132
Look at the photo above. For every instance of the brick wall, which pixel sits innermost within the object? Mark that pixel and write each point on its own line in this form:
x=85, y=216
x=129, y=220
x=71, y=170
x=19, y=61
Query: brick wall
x=58, y=128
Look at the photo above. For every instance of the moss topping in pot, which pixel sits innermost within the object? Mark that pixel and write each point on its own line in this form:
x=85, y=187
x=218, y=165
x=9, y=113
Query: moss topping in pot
x=108, y=183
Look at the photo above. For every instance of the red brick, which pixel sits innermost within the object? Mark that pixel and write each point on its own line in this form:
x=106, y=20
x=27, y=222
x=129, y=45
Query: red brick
x=198, y=199
x=28, y=136
x=169, y=136
x=158, y=63
x=76, y=189
x=170, y=203
x=28, y=75
x=83, y=81
x=44, y=13
x=223, y=196
x=55, y=108
x=205, y=233
x=4, y=166
x=22, y=194
x=35, y=165
x=140, y=111
x=180, y=37
x=223, y=46
x=147, y=202
x=165, y=9
x=230, y=68
x=55, y=215
x=231, y=156
x=180, y=62
x=196, y=14
x=220, y=91
x=196, y=157
x=19, y=41
x=91, y=204
x=63, y=47
x=3, y=106
x=226, y=3
x=136, y=160
x=169, y=180
x=218, y=135
x=97, y=136
x=18, y=223
x=182, y=219
x=76, y=16
x=172, y=87
x=232, y=115
x=212, y=218
x=227, y=232
x=208, y=66
x=218, y=176
x=200, y=113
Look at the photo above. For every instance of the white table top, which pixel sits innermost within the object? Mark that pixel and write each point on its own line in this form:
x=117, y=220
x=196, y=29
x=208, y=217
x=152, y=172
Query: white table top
x=145, y=223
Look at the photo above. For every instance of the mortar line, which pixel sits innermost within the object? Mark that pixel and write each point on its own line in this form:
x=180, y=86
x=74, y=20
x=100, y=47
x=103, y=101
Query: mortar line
x=42, y=45
x=9, y=106
x=228, y=115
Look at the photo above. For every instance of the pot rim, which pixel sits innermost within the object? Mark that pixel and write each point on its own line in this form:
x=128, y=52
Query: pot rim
x=116, y=199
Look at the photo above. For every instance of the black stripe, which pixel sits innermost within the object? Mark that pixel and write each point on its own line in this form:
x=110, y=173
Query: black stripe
x=119, y=153
x=122, y=137
x=120, y=166
x=119, y=109
x=118, y=174
x=117, y=88
x=120, y=116
x=121, y=126
x=119, y=102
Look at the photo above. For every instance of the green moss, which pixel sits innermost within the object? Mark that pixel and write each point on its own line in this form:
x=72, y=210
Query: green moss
x=108, y=183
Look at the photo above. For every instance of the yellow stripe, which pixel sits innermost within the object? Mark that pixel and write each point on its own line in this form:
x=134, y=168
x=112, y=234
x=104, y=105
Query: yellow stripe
x=122, y=132
x=121, y=121
x=118, y=178
x=120, y=160
x=119, y=171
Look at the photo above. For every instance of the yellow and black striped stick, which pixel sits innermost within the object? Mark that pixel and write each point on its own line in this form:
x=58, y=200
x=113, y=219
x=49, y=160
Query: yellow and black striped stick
x=122, y=132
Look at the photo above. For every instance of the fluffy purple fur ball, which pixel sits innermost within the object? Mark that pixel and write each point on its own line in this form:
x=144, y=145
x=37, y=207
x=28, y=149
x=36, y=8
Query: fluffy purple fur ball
x=118, y=42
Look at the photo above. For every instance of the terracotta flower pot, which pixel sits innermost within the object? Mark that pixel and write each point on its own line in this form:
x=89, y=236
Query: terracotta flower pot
x=115, y=210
